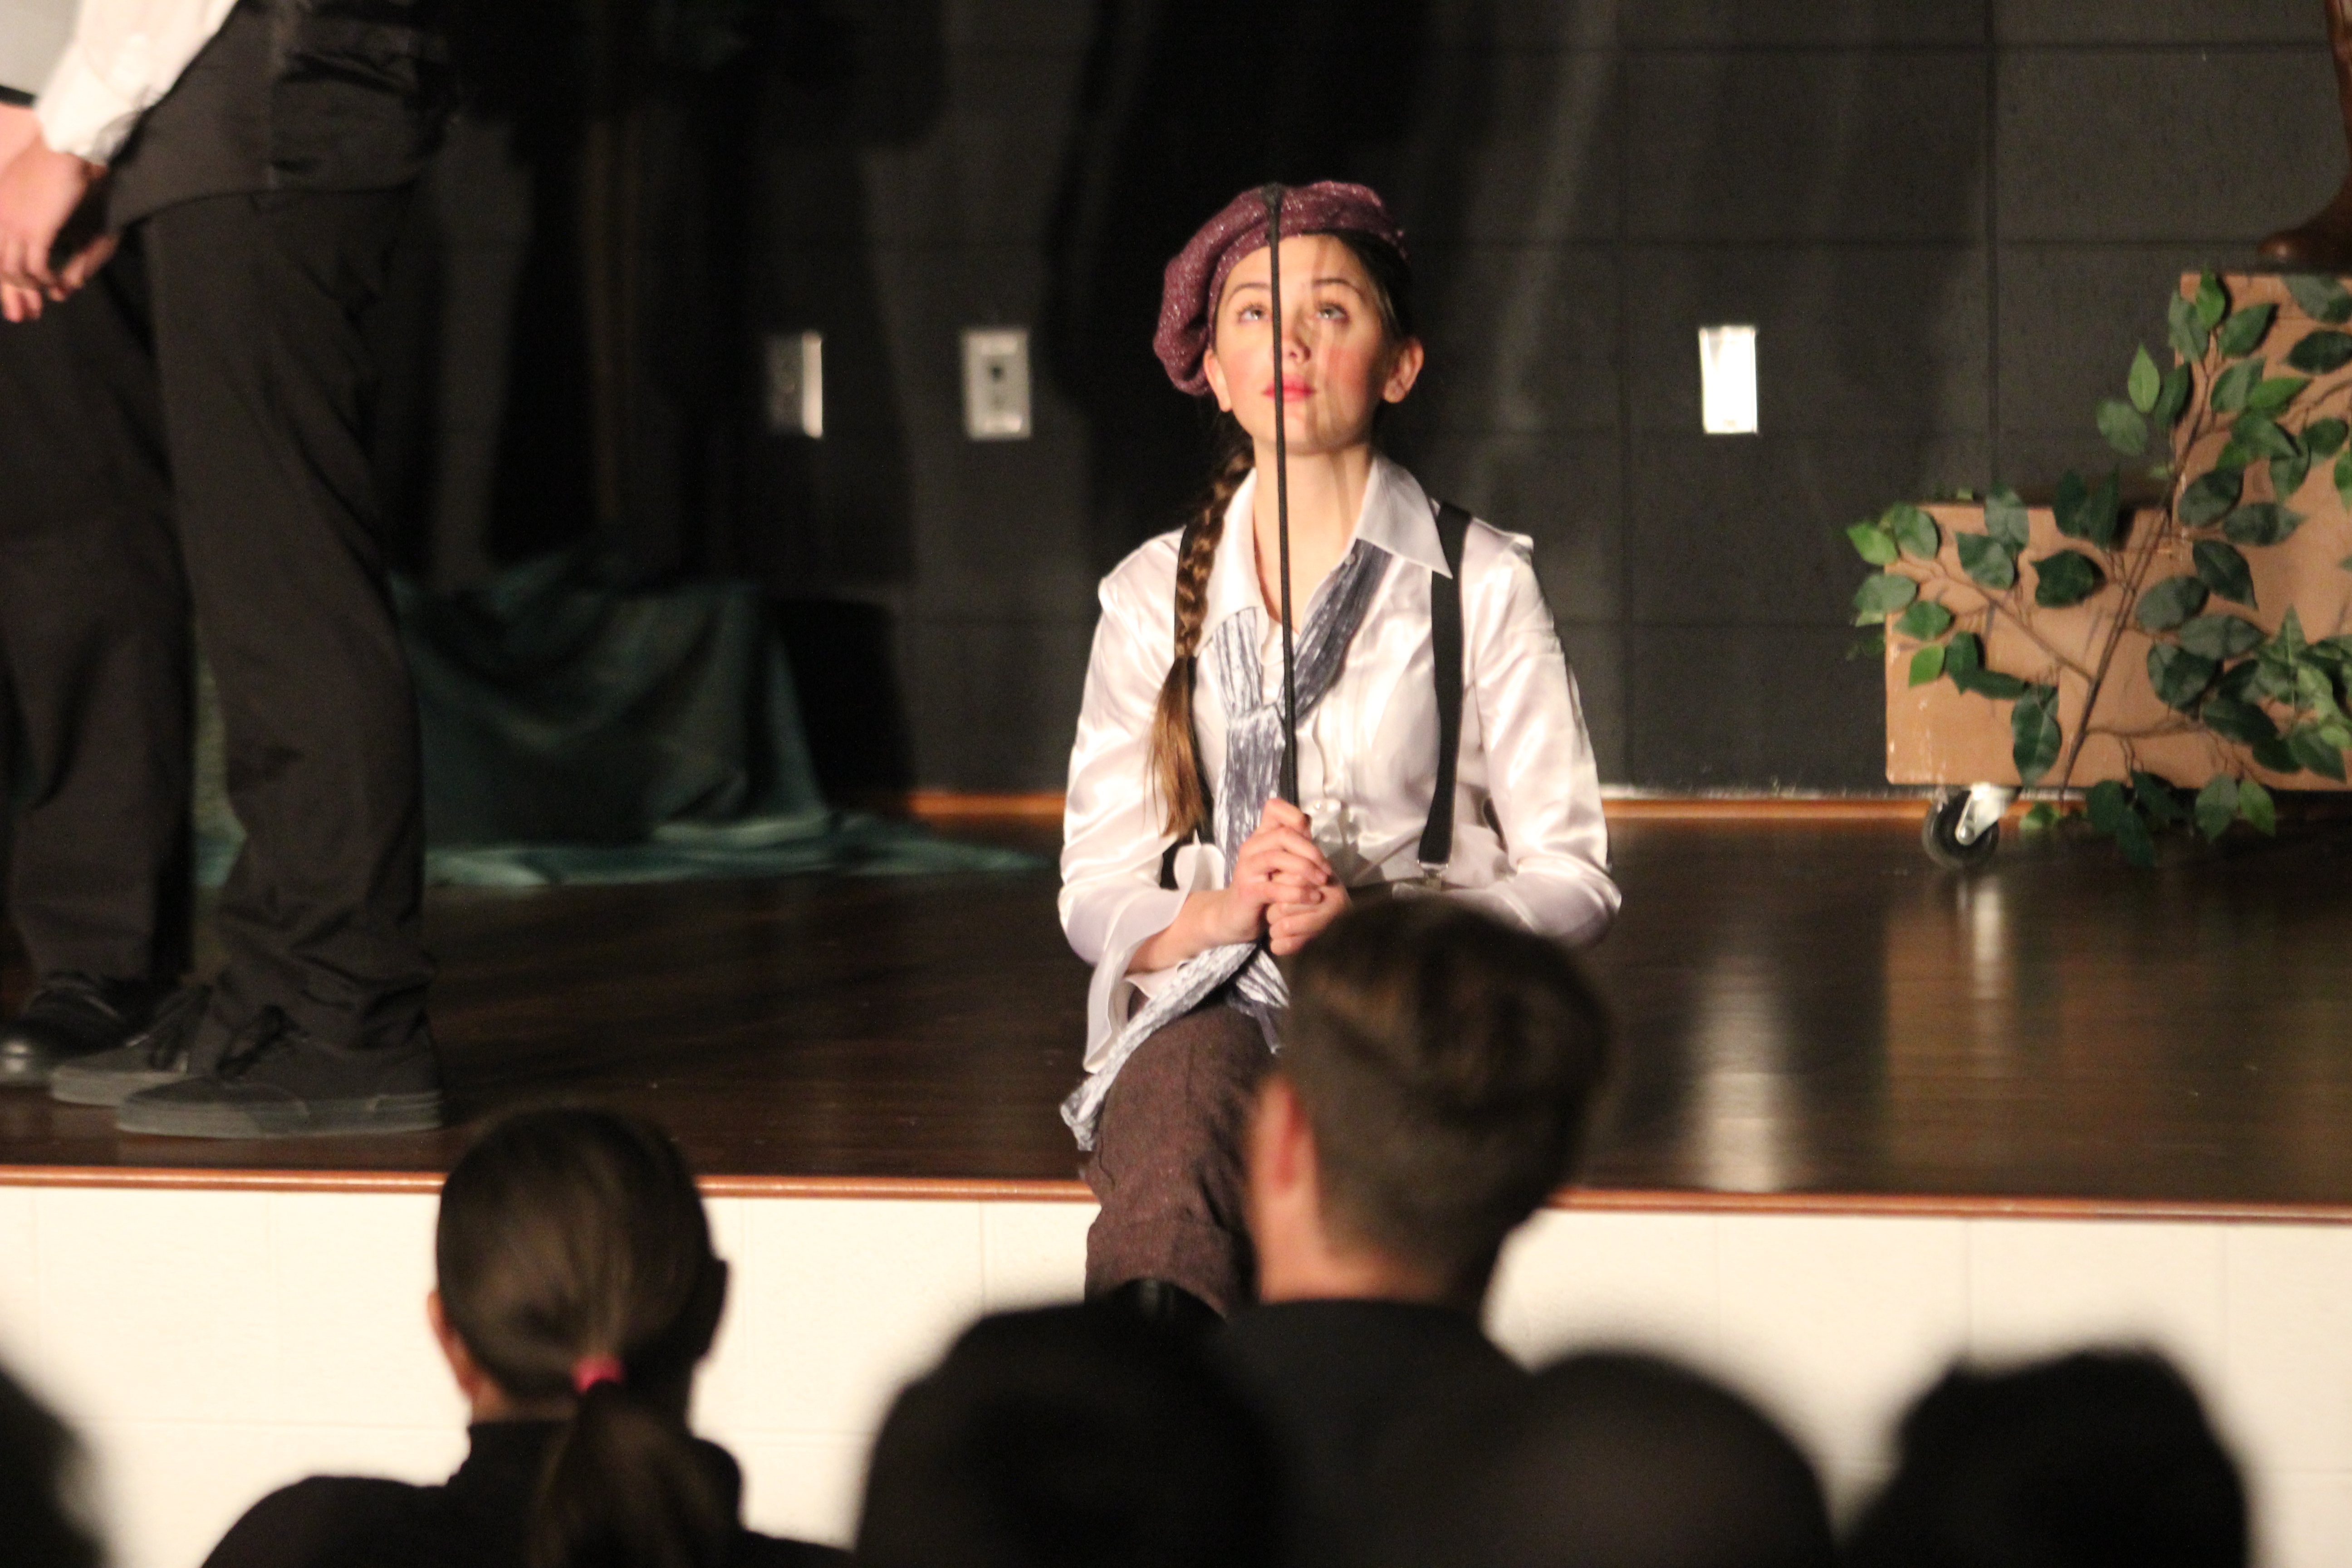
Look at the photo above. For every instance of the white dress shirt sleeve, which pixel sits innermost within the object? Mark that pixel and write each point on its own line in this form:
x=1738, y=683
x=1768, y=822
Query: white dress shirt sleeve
x=1541, y=774
x=1112, y=840
x=124, y=57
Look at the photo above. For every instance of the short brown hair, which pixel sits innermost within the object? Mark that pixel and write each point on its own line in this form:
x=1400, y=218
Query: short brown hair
x=1446, y=1063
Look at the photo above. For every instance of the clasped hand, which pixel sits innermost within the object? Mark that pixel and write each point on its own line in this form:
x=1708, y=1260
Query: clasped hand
x=1282, y=889
x=40, y=190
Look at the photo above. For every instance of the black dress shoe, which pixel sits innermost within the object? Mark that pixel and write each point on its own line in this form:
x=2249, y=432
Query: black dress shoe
x=1165, y=1306
x=155, y=1054
x=276, y=1079
x=71, y=1017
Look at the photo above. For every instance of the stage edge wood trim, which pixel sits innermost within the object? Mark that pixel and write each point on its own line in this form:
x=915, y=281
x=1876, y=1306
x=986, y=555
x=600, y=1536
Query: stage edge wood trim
x=913, y=1188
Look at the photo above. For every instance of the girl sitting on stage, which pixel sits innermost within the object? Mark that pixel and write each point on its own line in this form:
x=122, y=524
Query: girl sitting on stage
x=1184, y=876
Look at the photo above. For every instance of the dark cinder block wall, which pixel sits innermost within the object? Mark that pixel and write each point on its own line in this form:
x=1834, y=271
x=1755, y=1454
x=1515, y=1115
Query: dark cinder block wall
x=1949, y=219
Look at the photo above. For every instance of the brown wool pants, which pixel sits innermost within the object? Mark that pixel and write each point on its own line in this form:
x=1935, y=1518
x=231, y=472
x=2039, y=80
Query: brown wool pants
x=1168, y=1160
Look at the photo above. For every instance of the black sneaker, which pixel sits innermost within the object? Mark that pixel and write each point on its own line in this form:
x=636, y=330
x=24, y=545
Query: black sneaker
x=76, y=1021
x=278, y=1081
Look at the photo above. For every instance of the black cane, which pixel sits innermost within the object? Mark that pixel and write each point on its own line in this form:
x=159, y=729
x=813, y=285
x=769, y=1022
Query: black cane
x=1289, y=789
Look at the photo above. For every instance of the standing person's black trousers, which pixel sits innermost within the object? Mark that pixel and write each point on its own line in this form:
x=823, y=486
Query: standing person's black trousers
x=217, y=362
x=93, y=633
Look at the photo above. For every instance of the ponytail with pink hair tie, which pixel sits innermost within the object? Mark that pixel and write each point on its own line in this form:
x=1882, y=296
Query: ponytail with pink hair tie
x=590, y=1370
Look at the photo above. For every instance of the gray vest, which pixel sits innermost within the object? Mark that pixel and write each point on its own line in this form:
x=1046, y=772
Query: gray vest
x=292, y=95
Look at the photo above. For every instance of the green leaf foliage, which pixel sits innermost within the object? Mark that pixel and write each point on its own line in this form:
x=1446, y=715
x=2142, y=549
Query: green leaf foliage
x=2235, y=720
x=2105, y=804
x=2188, y=334
x=1928, y=620
x=2233, y=455
x=2124, y=428
x=2164, y=606
x=2143, y=381
x=1964, y=662
x=1881, y=594
x=1989, y=562
x=1928, y=664
x=2033, y=733
x=2255, y=807
x=2245, y=329
x=2261, y=435
x=2325, y=437
x=2040, y=818
x=2171, y=398
x=2270, y=396
x=2209, y=497
x=2321, y=352
x=2277, y=755
x=2157, y=799
x=2179, y=675
x=2102, y=515
x=2217, y=805
x=2134, y=839
x=2212, y=303
x=1913, y=530
x=2005, y=518
x=2222, y=568
x=2082, y=512
x=2069, y=578
x=1871, y=543
x=2289, y=639
x=2287, y=475
x=1870, y=646
x=2233, y=385
x=2344, y=480
x=2221, y=637
x=2320, y=297
x=2262, y=522
x=2312, y=750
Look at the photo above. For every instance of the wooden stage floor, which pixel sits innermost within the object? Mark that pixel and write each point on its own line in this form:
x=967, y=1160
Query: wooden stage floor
x=1812, y=1016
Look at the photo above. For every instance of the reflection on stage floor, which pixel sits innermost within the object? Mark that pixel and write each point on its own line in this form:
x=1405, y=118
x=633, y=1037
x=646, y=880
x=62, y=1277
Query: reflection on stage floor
x=1808, y=1008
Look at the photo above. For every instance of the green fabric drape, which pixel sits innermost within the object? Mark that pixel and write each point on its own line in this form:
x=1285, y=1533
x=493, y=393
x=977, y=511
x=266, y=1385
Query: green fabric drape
x=574, y=732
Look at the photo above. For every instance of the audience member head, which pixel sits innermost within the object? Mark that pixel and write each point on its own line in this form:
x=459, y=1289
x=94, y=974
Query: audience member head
x=577, y=1283
x=1067, y=1438
x=40, y=1475
x=1611, y=1460
x=1436, y=1072
x=2095, y=1458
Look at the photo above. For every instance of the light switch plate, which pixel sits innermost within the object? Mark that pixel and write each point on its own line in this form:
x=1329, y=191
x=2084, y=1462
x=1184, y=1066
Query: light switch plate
x=797, y=384
x=996, y=384
x=1727, y=379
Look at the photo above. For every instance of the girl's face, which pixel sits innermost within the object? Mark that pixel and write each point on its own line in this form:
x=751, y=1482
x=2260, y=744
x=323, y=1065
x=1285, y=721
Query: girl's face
x=1336, y=362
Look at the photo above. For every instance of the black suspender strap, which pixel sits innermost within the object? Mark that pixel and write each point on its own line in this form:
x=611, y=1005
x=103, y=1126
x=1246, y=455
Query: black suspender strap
x=1445, y=670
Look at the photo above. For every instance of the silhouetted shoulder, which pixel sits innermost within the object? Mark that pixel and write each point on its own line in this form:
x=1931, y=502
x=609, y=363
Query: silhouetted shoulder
x=755, y=1551
x=318, y=1522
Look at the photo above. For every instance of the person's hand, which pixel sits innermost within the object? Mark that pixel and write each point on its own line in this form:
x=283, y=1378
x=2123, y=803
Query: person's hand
x=1290, y=927
x=40, y=189
x=18, y=128
x=1277, y=865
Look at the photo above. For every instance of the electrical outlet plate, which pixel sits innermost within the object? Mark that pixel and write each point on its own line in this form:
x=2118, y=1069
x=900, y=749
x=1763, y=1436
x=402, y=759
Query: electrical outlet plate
x=797, y=384
x=1727, y=379
x=996, y=384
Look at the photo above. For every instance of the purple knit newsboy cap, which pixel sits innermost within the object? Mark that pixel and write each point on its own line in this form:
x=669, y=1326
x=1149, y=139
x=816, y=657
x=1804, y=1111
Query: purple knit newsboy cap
x=1196, y=277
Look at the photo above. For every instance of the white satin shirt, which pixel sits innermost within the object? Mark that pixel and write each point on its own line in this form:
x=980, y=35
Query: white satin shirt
x=1529, y=844
x=124, y=57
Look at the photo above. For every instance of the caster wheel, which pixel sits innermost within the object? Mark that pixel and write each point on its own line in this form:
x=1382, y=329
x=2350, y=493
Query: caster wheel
x=1939, y=834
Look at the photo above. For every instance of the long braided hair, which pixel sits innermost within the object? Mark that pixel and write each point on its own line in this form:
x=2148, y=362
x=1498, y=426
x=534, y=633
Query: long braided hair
x=1175, y=760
